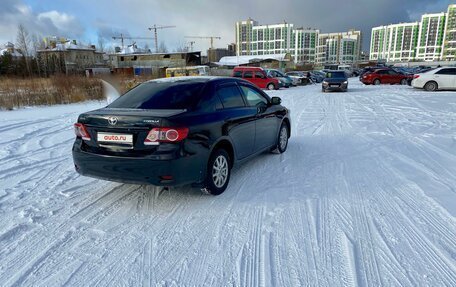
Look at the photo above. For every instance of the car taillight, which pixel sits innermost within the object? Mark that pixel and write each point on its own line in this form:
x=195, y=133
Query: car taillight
x=416, y=76
x=157, y=135
x=81, y=131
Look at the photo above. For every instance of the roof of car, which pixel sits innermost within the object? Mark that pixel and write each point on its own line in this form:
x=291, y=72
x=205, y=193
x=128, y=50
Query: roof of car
x=196, y=79
x=247, y=67
x=184, y=79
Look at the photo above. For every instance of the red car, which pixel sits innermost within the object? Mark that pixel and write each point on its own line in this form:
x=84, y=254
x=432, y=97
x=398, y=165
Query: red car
x=256, y=76
x=385, y=76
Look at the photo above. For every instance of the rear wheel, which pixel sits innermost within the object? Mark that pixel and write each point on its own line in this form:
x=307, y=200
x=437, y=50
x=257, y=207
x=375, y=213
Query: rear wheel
x=430, y=86
x=404, y=82
x=377, y=82
x=218, y=172
x=271, y=86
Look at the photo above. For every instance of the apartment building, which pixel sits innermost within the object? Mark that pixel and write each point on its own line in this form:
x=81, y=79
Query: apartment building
x=431, y=39
x=305, y=45
x=394, y=43
x=449, y=43
x=255, y=39
x=339, y=48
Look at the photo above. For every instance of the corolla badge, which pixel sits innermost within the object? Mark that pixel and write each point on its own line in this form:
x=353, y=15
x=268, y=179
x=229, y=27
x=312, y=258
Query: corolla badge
x=112, y=121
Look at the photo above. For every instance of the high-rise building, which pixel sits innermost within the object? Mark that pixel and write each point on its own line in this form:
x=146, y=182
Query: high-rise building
x=339, y=48
x=254, y=39
x=305, y=45
x=431, y=39
x=394, y=42
x=449, y=43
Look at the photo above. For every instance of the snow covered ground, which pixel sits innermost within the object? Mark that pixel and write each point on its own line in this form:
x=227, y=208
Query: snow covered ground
x=364, y=196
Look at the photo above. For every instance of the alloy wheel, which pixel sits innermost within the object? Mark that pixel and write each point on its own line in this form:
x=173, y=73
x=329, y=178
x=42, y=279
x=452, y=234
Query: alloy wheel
x=220, y=171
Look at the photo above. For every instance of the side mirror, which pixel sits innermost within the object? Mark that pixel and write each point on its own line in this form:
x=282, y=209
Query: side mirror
x=276, y=101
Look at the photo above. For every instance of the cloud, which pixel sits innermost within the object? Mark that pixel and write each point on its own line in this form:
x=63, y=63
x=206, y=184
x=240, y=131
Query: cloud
x=47, y=23
x=88, y=18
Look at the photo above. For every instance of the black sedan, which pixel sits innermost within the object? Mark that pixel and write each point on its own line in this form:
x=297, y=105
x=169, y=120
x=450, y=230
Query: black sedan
x=187, y=130
x=335, y=81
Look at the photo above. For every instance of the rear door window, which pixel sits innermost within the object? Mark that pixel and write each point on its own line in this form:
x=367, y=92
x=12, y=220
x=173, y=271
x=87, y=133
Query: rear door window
x=259, y=75
x=448, y=71
x=248, y=74
x=230, y=95
x=161, y=95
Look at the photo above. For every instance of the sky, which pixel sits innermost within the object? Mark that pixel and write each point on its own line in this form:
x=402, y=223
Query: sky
x=88, y=21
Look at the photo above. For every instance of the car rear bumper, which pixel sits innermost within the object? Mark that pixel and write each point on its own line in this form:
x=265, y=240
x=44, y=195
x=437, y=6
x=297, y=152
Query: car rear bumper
x=418, y=83
x=138, y=170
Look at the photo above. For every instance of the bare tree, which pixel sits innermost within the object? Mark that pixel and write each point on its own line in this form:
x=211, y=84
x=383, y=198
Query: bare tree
x=101, y=43
x=181, y=47
x=147, y=48
x=24, y=44
x=37, y=45
x=162, y=48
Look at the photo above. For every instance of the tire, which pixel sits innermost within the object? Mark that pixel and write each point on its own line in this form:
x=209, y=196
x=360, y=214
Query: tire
x=431, y=86
x=404, y=82
x=377, y=82
x=271, y=86
x=282, y=139
x=323, y=90
x=218, y=172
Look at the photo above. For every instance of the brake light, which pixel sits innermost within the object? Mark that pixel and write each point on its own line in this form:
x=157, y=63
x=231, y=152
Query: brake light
x=416, y=76
x=157, y=135
x=81, y=131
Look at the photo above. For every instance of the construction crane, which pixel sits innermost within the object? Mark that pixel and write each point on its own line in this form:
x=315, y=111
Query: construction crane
x=122, y=37
x=203, y=37
x=155, y=28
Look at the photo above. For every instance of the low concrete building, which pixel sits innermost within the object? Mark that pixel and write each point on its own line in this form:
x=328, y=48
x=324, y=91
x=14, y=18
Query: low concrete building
x=155, y=64
x=69, y=57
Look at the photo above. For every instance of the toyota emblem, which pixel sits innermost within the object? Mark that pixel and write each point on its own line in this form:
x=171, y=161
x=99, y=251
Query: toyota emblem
x=112, y=121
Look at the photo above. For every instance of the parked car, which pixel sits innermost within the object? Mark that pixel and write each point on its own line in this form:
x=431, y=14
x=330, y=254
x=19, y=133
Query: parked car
x=443, y=78
x=317, y=76
x=407, y=72
x=298, y=76
x=384, y=76
x=284, y=80
x=335, y=81
x=367, y=70
x=256, y=76
x=182, y=130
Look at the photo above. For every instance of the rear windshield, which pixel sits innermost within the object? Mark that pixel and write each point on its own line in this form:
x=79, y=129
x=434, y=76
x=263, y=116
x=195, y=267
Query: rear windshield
x=335, y=75
x=153, y=95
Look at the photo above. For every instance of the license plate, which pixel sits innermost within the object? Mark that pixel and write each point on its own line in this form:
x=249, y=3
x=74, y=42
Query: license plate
x=115, y=138
x=333, y=85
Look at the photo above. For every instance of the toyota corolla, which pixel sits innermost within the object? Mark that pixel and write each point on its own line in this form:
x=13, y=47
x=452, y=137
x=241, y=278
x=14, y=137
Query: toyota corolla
x=187, y=130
